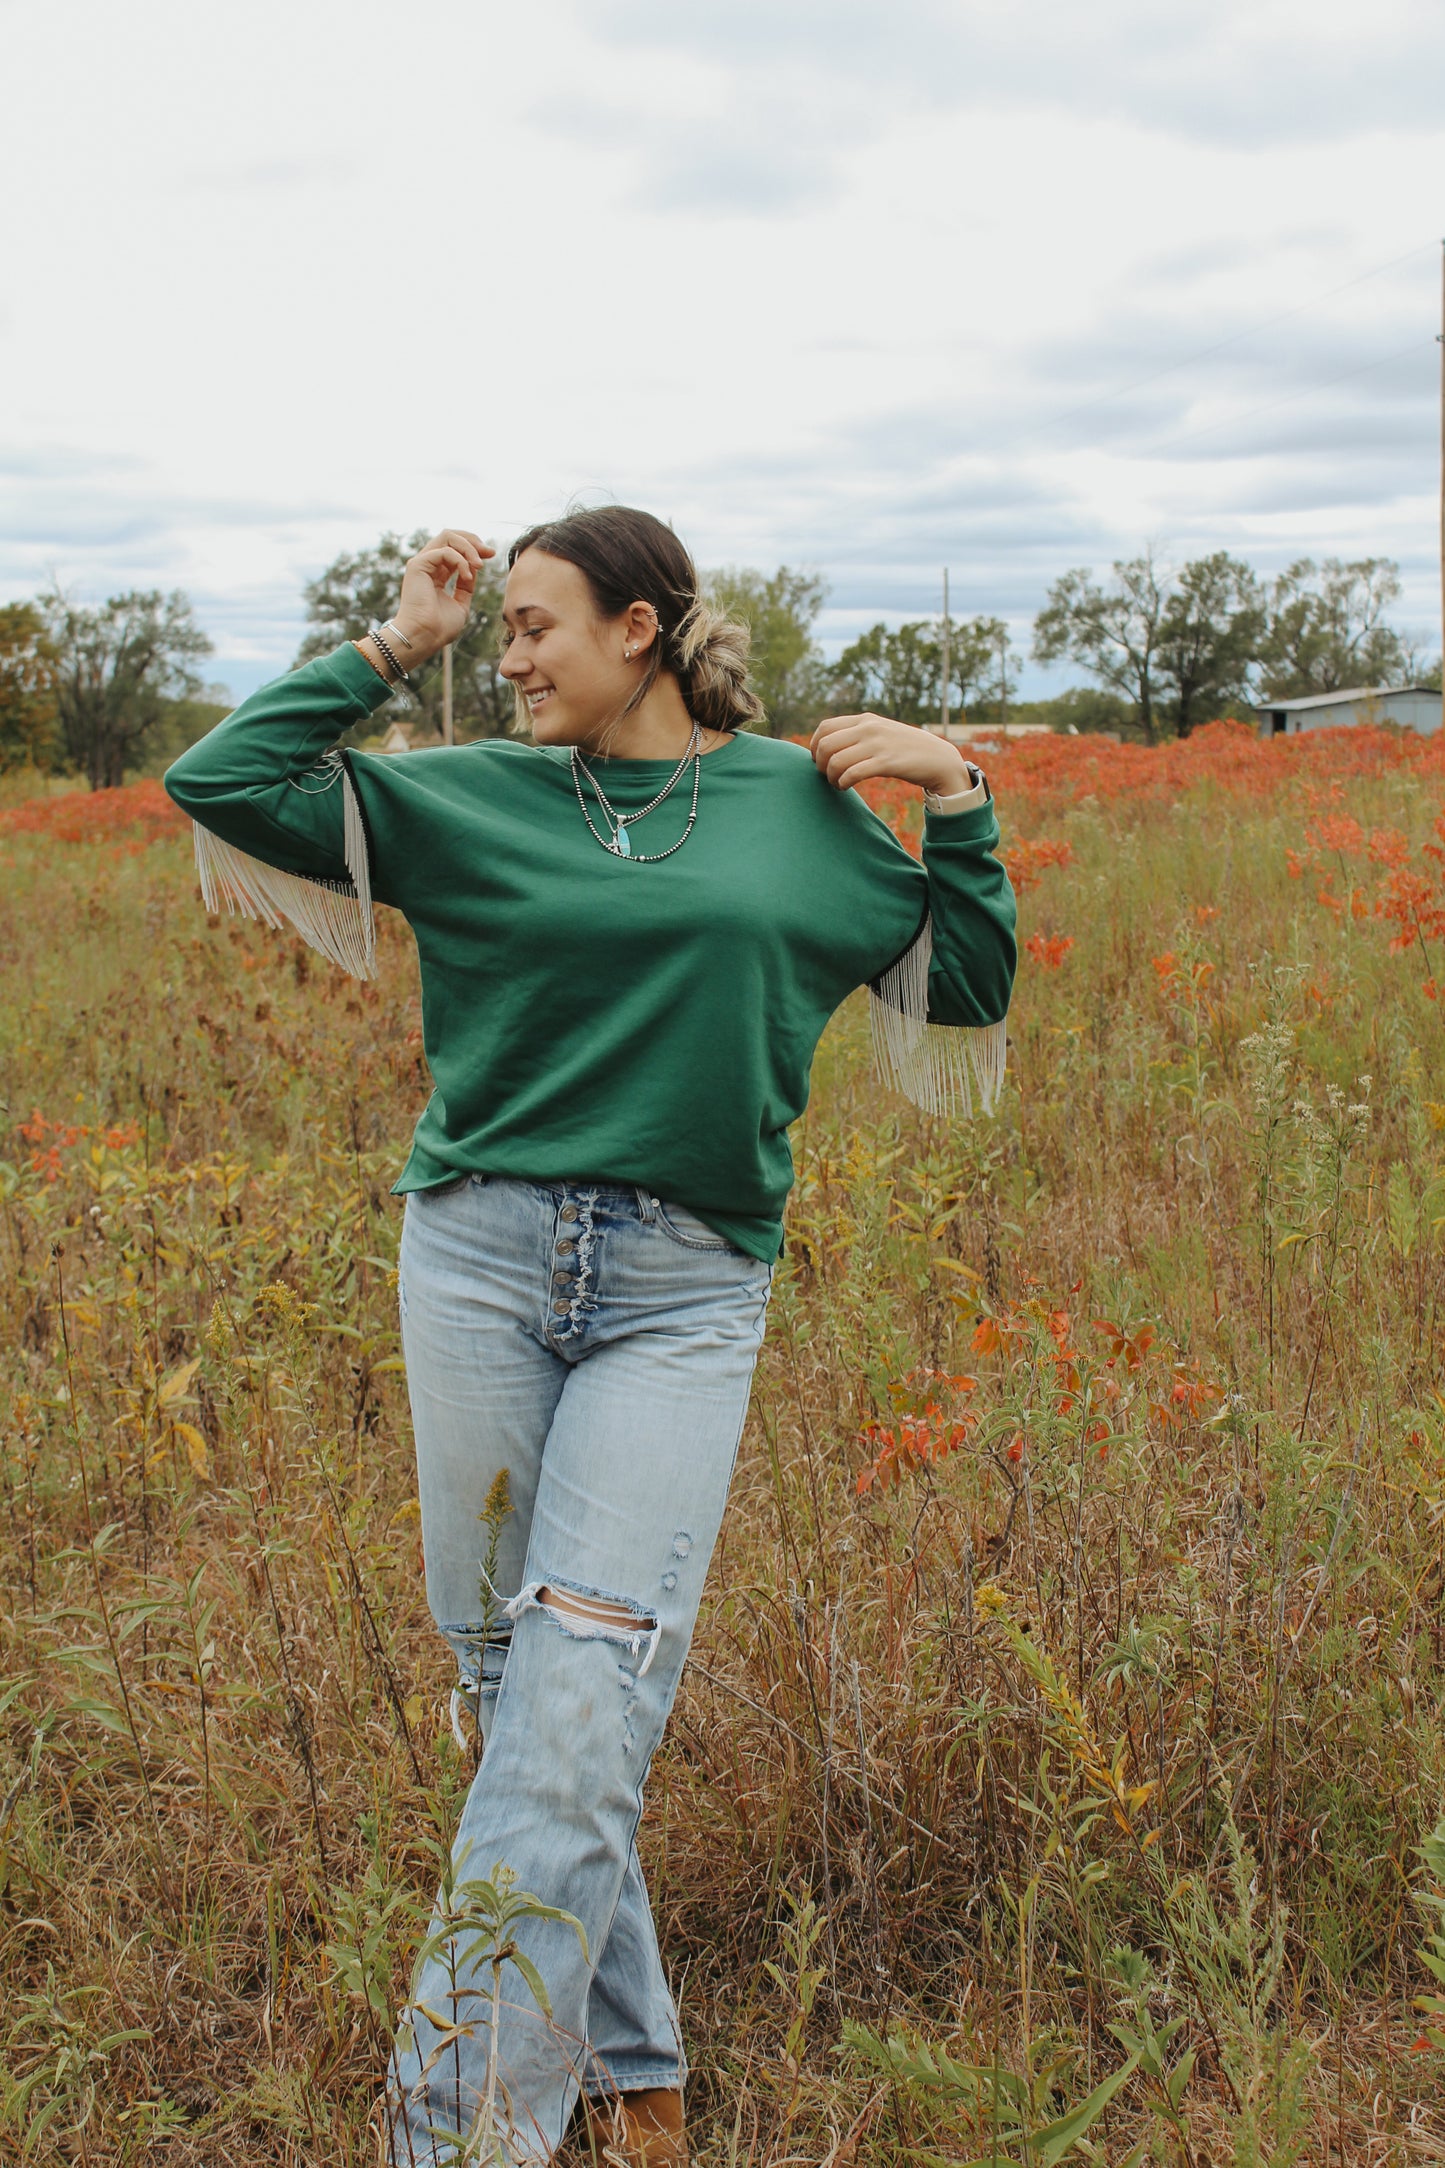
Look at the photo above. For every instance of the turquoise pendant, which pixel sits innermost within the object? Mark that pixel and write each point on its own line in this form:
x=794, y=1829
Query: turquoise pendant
x=621, y=845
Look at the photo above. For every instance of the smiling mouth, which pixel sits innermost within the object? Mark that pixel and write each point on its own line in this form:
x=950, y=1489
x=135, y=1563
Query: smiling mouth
x=535, y=700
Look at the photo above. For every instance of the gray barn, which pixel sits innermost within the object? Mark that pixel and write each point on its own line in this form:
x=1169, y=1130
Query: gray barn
x=1412, y=707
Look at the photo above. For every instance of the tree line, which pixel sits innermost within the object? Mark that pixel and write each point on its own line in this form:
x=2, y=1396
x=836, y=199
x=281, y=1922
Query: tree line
x=1175, y=649
x=114, y=690
x=90, y=692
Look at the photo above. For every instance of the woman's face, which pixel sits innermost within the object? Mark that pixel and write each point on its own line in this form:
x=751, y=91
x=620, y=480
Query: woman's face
x=566, y=661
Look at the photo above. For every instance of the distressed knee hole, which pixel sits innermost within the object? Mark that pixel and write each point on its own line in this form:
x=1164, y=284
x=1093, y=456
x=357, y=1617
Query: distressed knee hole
x=593, y=1608
x=585, y=1617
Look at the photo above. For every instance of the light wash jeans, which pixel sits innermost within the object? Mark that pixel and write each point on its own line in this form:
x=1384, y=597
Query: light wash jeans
x=598, y=1345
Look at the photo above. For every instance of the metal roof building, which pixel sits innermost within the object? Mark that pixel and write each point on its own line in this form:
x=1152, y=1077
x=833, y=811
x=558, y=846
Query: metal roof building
x=1412, y=707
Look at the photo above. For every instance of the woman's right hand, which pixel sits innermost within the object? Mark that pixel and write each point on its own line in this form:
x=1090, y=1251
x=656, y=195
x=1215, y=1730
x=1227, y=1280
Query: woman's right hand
x=429, y=616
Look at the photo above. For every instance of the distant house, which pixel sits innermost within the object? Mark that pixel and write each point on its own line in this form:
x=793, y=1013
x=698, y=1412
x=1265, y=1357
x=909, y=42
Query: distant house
x=990, y=736
x=1412, y=707
x=407, y=738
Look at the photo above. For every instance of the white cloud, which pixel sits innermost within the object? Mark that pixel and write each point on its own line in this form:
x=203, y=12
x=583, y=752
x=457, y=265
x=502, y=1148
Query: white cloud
x=868, y=289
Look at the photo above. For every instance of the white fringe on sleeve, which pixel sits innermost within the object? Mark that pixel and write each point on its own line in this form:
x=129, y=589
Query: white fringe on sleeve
x=942, y=1068
x=335, y=917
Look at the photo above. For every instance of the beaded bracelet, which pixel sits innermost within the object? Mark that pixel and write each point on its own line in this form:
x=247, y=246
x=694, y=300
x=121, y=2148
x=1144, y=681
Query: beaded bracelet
x=380, y=641
x=371, y=662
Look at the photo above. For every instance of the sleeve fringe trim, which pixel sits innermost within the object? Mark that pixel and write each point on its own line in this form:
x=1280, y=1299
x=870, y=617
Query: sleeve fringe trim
x=955, y=1069
x=334, y=917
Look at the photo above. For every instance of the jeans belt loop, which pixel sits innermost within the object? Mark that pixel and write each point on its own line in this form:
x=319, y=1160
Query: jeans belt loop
x=645, y=1206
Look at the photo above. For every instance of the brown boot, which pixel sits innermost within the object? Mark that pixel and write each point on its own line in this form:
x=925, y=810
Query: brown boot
x=641, y=2130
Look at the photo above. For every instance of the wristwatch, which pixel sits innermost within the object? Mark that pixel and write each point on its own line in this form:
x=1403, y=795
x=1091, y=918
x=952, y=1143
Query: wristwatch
x=936, y=803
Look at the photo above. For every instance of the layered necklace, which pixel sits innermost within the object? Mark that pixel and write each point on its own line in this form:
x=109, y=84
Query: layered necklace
x=619, y=843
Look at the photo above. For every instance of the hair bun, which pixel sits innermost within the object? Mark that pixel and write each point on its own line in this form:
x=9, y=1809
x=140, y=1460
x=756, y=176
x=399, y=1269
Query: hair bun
x=710, y=654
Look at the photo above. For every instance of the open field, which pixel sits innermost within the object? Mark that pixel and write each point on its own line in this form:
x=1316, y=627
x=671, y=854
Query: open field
x=1067, y=1705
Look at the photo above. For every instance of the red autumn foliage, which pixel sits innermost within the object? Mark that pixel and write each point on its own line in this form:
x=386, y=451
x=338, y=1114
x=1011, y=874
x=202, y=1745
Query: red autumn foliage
x=1185, y=983
x=138, y=813
x=1141, y=1377
x=921, y=1434
x=1055, y=771
x=1133, y=1347
x=1025, y=861
x=1049, y=949
x=1036, y=775
x=912, y=1442
x=1409, y=897
x=1339, y=832
x=1141, y=1372
x=53, y=1138
x=1388, y=847
x=900, y=804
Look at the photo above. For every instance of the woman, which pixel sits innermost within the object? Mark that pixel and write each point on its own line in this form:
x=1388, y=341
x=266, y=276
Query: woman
x=632, y=932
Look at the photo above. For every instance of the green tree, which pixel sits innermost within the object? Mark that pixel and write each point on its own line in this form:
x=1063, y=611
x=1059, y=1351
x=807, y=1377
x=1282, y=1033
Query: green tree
x=1112, y=632
x=979, y=652
x=892, y=673
x=117, y=670
x=362, y=586
x=1079, y=710
x=181, y=723
x=901, y=673
x=1326, y=631
x=780, y=610
x=1209, y=638
x=1419, y=663
x=27, y=690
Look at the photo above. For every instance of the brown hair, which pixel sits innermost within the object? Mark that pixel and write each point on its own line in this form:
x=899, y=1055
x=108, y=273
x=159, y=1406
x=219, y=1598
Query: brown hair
x=627, y=556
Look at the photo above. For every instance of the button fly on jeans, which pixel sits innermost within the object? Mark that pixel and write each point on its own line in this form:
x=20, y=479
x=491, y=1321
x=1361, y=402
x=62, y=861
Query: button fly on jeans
x=560, y=1309
x=566, y=1249
x=568, y=1212
x=559, y=1279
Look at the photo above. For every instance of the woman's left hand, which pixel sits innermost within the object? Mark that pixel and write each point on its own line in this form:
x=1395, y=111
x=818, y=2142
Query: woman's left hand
x=850, y=748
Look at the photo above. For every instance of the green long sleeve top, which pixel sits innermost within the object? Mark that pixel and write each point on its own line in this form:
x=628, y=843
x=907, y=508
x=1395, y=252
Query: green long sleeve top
x=587, y=1016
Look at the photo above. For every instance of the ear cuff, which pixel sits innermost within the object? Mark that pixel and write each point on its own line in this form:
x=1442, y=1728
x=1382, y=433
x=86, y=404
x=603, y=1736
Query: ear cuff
x=629, y=652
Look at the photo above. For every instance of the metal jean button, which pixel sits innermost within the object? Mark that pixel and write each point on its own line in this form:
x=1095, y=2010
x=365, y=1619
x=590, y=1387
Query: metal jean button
x=568, y=1212
x=560, y=1309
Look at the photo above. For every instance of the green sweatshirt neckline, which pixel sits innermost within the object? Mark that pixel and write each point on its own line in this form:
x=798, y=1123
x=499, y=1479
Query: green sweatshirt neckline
x=646, y=770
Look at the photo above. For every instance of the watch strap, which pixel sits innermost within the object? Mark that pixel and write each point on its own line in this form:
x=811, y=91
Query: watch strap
x=937, y=802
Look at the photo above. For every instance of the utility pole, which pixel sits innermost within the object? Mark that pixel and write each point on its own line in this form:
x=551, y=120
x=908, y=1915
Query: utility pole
x=1003, y=676
x=1442, y=482
x=448, y=734
x=943, y=710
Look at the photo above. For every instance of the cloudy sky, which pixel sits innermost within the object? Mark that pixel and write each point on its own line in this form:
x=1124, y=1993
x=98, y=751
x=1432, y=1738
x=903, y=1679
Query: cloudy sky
x=1010, y=285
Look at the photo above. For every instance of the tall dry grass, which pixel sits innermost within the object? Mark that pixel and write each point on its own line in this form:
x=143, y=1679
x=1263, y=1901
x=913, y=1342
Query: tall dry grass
x=1065, y=1715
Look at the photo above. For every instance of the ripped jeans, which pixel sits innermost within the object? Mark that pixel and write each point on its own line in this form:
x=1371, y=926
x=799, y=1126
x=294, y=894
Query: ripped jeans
x=598, y=1345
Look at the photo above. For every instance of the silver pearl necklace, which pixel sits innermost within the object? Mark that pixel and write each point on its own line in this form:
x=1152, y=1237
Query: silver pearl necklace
x=618, y=844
